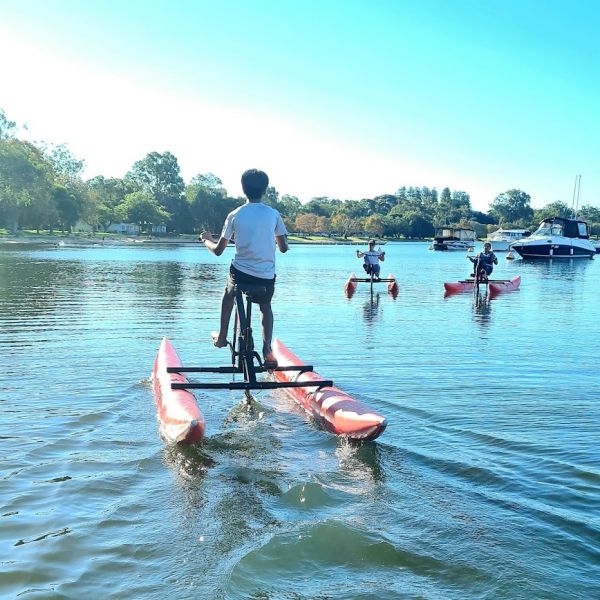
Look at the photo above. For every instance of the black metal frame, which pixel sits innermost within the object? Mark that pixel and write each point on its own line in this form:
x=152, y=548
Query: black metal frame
x=243, y=358
x=478, y=279
x=372, y=280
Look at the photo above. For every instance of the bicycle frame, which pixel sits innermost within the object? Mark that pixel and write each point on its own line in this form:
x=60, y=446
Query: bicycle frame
x=242, y=358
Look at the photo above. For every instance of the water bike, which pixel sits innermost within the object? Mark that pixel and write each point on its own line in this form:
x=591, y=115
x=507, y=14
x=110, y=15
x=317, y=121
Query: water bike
x=496, y=286
x=180, y=417
x=353, y=281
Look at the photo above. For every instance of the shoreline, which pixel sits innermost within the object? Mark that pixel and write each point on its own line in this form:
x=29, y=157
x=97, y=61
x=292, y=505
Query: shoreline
x=99, y=240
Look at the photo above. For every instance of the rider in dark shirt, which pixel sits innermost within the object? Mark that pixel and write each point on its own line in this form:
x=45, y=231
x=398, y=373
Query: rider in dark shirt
x=484, y=262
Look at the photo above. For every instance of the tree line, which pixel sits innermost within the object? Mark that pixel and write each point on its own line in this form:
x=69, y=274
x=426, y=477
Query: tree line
x=41, y=188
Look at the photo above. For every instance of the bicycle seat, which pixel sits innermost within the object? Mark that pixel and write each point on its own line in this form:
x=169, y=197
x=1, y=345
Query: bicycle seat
x=254, y=292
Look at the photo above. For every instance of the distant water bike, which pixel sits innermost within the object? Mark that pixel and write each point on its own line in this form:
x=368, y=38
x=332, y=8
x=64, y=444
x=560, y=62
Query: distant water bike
x=495, y=286
x=480, y=284
x=180, y=417
x=372, y=271
x=353, y=281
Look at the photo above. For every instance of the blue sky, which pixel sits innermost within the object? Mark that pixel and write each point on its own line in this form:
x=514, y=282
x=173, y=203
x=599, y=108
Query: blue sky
x=347, y=99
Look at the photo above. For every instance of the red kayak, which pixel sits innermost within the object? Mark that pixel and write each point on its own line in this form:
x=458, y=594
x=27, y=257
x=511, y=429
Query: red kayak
x=330, y=406
x=353, y=281
x=177, y=411
x=496, y=285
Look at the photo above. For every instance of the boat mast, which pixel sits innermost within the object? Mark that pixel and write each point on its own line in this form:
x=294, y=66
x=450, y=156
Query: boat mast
x=576, y=190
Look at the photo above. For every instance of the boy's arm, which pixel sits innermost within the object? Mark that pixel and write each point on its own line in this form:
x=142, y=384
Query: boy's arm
x=282, y=243
x=216, y=248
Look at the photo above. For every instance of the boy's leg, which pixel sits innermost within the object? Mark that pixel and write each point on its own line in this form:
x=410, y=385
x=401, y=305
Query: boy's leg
x=266, y=322
x=220, y=337
x=266, y=312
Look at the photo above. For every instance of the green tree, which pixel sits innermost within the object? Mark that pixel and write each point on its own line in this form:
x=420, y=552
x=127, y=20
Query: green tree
x=25, y=179
x=143, y=209
x=374, y=225
x=7, y=127
x=67, y=169
x=590, y=213
x=554, y=209
x=322, y=206
x=289, y=206
x=343, y=224
x=68, y=207
x=209, y=204
x=510, y=206
x=208, y=180
x=158, y=175
x=104, y=196
x=271, y=197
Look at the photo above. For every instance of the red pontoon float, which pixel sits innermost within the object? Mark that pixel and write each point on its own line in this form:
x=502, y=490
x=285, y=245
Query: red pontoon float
x=176, y=409
x=330, y=406
x=496, y=285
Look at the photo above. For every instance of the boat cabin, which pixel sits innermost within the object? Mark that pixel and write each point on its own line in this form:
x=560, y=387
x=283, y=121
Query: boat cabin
x=460, y=234
x=453, y=238
x=569, y=228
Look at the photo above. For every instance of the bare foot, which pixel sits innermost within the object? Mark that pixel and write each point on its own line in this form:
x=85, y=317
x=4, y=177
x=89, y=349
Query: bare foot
x=270, y=362
x=217, y=341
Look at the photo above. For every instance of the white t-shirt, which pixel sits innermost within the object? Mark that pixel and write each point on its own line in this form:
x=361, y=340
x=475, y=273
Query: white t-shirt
x=254, y=227
x=371, y=257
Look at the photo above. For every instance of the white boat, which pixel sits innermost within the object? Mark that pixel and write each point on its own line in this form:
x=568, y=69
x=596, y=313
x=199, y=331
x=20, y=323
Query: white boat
x=453, y=238
x=557, y=238
x=502, y=239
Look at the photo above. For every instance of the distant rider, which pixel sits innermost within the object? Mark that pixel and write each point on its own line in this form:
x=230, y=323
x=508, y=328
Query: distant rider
x=484, y=262
x=371, y=259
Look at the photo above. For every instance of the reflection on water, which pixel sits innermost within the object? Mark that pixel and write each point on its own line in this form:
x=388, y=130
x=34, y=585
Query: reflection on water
x=371, y=308
x=482, y=308
x=566, y=269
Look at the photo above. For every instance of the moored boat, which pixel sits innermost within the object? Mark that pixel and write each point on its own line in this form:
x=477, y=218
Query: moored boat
x=335, y=410
x=177, y=410
x=557, y=237
x=501, y=239
x=453, y=238
x=496, y=285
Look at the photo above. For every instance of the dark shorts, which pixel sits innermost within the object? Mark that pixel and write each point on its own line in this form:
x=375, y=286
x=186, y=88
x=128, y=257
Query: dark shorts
x=261, y=289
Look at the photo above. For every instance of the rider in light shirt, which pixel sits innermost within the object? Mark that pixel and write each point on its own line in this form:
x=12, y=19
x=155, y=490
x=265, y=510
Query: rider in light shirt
x=257, y=230
x=371, y=259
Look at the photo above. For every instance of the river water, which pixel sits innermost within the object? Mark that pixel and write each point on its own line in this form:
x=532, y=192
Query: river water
x=486, y=483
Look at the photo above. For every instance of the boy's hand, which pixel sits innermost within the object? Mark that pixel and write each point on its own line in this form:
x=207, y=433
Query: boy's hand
x=206, y=235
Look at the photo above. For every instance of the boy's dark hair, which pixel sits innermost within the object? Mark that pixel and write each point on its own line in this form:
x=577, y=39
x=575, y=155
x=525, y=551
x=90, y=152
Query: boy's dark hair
x=255, y=184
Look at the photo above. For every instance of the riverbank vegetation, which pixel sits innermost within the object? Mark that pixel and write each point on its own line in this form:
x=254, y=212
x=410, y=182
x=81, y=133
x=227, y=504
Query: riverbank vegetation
x=41, y=189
